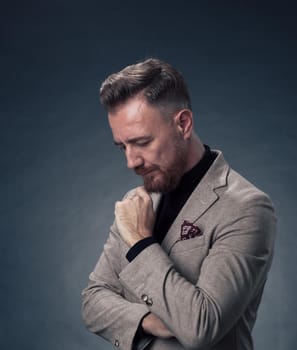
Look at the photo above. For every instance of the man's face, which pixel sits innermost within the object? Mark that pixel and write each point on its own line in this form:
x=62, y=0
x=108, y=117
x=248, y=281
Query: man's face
x=153, y=145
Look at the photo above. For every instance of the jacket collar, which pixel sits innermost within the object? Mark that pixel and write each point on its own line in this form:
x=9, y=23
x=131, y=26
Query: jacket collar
x=201, y=199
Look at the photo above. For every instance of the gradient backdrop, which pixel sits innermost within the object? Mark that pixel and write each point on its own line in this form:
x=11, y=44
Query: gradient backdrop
x=61, y=174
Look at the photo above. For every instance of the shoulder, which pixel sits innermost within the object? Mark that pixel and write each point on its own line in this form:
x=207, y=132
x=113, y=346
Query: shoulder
x=234, y=187
x=240, y=202
x=242, y=194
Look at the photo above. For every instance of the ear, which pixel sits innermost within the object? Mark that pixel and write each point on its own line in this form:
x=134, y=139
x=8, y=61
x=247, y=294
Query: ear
x=184, y=122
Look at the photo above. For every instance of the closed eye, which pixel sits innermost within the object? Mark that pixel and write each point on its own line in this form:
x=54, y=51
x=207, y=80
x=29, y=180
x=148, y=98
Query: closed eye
x=142, y=143
x=138, y=142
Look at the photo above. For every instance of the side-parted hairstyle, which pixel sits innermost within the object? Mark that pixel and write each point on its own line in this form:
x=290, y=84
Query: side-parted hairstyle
x=161, y=84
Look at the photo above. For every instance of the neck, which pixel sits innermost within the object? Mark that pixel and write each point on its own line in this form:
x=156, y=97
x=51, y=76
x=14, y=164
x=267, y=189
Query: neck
x=195, y=152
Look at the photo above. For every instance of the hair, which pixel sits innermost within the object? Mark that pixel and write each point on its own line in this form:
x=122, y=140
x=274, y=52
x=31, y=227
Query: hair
x=161, y=84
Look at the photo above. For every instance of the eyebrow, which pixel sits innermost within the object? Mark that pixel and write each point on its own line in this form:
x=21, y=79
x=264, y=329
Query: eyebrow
x=134, y=140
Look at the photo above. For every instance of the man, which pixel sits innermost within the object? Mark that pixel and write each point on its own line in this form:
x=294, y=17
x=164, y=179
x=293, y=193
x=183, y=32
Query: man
x=187, y=257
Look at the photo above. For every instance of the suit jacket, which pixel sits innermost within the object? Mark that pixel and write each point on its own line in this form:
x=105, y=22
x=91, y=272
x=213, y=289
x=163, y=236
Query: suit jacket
x=205, y=288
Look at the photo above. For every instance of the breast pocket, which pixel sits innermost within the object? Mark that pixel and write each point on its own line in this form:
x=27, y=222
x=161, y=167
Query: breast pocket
x=188, y=256
x=185, y=245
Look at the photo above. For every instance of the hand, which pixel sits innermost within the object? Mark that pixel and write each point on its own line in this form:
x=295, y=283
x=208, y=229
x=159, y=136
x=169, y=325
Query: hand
x=135, y=217
x=153, y=325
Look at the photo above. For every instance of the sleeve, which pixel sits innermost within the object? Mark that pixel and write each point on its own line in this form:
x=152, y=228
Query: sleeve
x=141, y=339
x=200, y=314
x=138, y=247
x=105, y=310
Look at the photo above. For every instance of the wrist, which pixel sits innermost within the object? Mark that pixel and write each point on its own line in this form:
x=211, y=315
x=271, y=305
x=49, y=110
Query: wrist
x=138, y=247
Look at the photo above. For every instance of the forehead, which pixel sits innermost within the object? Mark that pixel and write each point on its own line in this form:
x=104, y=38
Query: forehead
x=135, y=118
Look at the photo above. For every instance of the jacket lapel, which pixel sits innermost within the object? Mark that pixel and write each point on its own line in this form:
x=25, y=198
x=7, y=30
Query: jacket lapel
x=201, y=200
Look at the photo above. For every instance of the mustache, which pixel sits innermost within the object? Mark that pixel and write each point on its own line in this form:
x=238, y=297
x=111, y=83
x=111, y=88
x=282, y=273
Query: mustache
x=143, y=171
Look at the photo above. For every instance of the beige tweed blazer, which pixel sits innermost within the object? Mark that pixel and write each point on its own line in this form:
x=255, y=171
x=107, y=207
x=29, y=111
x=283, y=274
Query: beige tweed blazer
x=206, y=279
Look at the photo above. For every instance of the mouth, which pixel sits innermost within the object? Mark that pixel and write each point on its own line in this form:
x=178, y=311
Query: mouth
x=144, y=172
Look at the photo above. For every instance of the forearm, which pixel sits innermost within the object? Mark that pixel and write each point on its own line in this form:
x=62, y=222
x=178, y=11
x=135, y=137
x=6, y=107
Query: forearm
x=169, y=299
x=197, y=314
x=105, y=305
x=105, y=312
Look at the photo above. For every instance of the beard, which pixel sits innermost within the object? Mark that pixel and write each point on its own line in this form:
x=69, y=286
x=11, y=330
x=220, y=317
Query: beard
x=165, y=179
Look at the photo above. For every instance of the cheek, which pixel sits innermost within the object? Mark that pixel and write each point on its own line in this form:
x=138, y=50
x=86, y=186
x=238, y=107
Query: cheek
x=151, y=155
x=161, y=153
x=164, y=156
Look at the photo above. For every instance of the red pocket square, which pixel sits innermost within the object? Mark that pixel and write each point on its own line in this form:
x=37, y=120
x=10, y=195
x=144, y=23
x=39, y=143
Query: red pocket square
x=189, y=230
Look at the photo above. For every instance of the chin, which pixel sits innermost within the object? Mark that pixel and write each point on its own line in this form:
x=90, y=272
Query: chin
x=153, y=184
x=159, y=185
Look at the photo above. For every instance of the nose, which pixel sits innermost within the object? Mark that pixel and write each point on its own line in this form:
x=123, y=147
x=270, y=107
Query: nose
x=133, y=157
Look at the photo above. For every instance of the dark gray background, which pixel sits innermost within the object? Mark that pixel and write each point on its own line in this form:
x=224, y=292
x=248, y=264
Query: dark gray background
x=60, y=173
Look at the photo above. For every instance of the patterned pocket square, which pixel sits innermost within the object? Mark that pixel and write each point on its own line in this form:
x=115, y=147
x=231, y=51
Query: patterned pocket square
x=189, y=230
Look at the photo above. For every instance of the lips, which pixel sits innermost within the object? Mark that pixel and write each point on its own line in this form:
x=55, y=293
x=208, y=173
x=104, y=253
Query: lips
x=144, y=172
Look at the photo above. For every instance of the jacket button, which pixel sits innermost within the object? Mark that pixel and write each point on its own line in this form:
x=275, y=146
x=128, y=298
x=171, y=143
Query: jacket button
x=144, y=298
x=116, y=343
x=149, y=302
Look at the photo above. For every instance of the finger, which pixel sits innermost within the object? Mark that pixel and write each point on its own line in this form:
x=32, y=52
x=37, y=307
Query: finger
x=141, y=189
x=141, y=192
x=120, y=207
x=130, y=195
x=116, y=207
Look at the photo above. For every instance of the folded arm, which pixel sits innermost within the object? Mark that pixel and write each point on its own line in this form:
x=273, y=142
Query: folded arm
x=105, y=310
x=200, y=314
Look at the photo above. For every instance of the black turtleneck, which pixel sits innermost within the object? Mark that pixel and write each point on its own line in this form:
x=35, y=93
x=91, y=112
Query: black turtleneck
x=172, y=202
